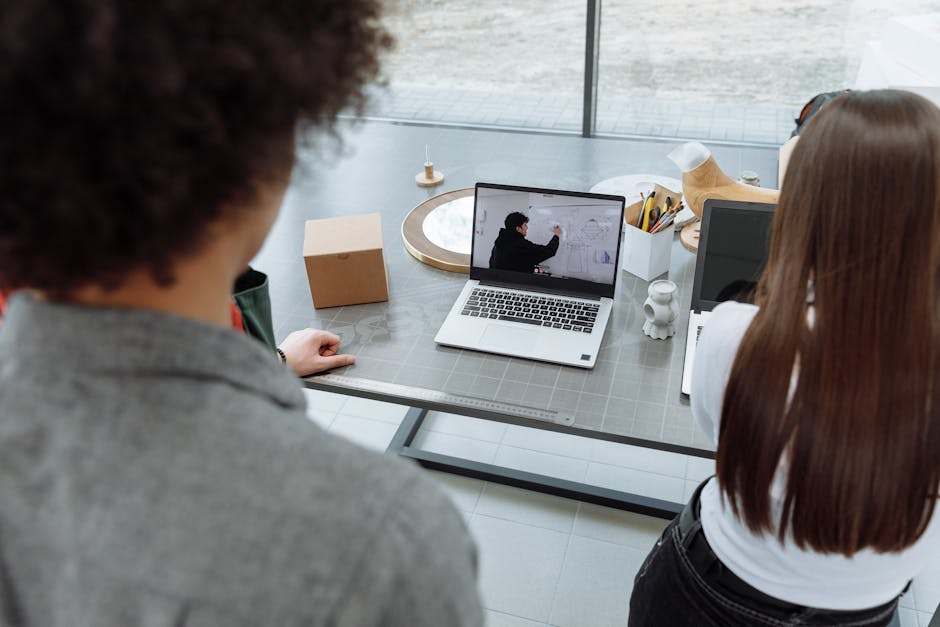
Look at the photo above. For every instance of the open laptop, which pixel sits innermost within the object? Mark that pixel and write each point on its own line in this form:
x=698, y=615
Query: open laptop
x=558, y=309
x=732, y=251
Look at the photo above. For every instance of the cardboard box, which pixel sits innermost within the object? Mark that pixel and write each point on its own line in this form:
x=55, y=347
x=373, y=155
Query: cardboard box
x=345, y=262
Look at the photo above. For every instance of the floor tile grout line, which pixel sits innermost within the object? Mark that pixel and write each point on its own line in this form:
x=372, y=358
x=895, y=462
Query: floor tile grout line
x=591, y=461
x=503, y=443
x=528, y=524
x=308, y=392
x=564, y=563
x=476, y=501
x=505, y=613
x=325, y=427
x=378, y=420
x=621, y=545
x=584, y=479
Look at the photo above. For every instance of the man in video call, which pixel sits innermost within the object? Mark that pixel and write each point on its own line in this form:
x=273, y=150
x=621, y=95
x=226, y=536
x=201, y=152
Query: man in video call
x=512, y=251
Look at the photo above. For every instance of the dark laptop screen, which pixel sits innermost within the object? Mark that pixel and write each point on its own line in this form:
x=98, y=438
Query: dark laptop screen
x=515, y=241
x=734, y=244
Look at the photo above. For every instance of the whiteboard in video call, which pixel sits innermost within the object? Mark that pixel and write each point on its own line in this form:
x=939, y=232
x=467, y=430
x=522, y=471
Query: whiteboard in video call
x=590, y=229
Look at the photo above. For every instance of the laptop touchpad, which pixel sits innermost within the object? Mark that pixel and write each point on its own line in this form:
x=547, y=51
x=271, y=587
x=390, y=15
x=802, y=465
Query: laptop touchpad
x=510, y=339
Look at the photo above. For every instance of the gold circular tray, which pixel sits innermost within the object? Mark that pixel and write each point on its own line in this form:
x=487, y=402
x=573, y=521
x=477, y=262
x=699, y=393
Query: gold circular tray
x=423, y=249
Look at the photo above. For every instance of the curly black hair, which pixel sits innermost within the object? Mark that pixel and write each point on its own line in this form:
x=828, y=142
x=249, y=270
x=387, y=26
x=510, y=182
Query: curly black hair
x=128, y=127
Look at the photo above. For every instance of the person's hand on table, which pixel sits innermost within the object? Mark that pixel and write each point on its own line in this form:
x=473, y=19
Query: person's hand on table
x=310, y=351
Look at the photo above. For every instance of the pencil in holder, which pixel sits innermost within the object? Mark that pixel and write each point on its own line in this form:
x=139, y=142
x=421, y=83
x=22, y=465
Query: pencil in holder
x=642, y=254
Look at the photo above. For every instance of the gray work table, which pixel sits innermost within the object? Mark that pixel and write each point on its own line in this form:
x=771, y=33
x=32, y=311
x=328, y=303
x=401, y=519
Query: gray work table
x=631, y=395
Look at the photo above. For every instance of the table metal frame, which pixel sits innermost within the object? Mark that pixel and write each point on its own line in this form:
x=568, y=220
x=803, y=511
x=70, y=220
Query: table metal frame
x=401, y=444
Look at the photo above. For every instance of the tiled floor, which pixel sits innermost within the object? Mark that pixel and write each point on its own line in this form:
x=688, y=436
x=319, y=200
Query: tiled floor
x=708, y=121
x=546, y=560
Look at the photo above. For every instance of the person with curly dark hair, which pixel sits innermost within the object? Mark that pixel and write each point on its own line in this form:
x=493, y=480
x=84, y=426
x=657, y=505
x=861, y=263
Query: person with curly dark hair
x=156, y=467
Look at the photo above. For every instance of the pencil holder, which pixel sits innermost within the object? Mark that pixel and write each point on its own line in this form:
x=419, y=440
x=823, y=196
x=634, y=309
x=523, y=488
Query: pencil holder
x=645, y=255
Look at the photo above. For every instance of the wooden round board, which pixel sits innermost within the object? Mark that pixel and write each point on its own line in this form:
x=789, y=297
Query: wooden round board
x=689, y=235
x=420, y=247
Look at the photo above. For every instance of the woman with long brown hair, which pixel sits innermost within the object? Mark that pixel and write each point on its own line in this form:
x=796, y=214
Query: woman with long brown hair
x=824, y=398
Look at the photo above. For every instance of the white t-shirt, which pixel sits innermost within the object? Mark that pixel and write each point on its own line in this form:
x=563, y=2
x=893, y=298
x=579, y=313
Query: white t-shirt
x=784, y=571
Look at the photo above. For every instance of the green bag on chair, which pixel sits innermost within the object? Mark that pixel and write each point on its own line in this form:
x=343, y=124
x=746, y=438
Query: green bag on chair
x=253, y=301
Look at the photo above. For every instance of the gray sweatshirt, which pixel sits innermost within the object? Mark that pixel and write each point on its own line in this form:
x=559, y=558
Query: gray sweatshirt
x=156, y=472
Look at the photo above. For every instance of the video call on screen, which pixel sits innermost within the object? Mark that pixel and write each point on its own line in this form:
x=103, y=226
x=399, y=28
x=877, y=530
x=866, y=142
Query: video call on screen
x=738, y=244
x=590, y=231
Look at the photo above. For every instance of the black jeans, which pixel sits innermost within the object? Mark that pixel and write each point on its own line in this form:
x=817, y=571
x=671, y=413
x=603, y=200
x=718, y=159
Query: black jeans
x=683, y=583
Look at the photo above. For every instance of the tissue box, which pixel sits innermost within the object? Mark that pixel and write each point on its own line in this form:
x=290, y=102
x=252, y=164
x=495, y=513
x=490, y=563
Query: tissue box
x=345, y=262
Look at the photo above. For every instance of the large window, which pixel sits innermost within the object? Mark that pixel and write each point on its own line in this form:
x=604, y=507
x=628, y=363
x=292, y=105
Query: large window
x=714, y=70
x=490, y=62
x=735, y=71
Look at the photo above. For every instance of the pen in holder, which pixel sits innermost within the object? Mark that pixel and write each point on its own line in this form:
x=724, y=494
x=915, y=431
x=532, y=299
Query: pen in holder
x=644, y=254
x=661, y=310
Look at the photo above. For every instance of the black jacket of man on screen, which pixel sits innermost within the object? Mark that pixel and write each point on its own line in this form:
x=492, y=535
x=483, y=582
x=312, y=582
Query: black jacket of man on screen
x=512, y=251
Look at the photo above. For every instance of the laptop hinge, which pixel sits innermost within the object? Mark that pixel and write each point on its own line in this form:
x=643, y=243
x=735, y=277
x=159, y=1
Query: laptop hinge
x=540, y=290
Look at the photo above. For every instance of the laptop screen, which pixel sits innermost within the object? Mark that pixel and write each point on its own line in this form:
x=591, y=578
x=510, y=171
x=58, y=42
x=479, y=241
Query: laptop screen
x=515, y=241
x=733, y=248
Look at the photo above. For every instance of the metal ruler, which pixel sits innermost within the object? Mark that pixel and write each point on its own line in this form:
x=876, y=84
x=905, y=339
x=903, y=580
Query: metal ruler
x=409, y=394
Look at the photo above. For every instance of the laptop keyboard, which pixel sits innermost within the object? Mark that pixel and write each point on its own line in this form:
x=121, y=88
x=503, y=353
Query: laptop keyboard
x=543, y=311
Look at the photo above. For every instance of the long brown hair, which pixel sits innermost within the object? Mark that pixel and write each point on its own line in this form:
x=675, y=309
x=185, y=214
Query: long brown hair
x=859, y=432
